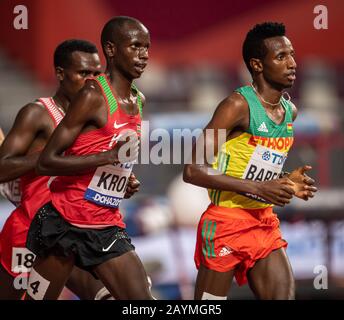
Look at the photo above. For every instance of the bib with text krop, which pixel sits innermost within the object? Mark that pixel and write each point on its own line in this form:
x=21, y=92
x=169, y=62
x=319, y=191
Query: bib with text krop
x=108, y=185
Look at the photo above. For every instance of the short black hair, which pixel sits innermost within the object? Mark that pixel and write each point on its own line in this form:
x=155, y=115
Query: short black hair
x=253, y=46
x=112, y=29
x=65, y=49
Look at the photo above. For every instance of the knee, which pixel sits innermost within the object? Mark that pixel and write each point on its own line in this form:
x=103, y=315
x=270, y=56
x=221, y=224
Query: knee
x=290, y=294
x=285, y=290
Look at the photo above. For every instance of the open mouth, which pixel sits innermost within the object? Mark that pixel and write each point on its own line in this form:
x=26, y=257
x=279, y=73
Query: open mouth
x=291, y=76
x=140, y=66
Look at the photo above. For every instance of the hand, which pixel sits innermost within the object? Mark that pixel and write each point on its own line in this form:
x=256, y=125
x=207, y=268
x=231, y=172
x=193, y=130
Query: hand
x=132, y=186
x=278, y=191
x=304, y=185
x=126, y=148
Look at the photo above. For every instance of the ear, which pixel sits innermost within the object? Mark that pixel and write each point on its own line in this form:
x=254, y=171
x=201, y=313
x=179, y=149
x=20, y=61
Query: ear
x=110, y=49
x=256, y=65
x=59, y=73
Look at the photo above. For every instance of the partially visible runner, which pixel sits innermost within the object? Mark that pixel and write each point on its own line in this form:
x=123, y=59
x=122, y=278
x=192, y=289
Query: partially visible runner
x=74, y=61
x=82, y=225
x=11, y=189
x=239, y=235
x=2, y=137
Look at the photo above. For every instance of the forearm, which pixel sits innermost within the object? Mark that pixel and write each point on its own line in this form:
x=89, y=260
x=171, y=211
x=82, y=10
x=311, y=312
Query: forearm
x=70, y=165
x=14, y=167
x=207, y=177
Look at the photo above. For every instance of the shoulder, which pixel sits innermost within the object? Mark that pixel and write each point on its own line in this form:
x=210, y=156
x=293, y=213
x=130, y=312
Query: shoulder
x=31, y=118
x=92, y=88
x=234, y=103
x=293, y=110
x=232, y=112
x=32, y=111
x=90, y=94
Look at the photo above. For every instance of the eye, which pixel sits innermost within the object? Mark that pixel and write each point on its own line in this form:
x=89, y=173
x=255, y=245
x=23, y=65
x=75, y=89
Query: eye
x=84, y=73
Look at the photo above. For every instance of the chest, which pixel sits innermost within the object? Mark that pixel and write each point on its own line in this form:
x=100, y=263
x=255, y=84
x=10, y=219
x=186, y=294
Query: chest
x=129, y=106
x=276, y=115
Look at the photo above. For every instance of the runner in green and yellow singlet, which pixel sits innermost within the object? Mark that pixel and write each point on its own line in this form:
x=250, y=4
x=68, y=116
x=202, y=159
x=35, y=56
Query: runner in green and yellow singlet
x=238, y=235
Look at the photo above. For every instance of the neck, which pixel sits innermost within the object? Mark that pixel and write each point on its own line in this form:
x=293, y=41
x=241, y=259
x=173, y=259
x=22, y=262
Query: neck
x=61, y=100
x=121, y=85
x=267, y=92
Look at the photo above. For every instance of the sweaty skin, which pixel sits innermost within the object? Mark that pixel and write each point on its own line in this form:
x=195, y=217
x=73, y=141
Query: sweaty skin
x=20, y=151
x=271, y=277
x=124, y=276
x=232, y=115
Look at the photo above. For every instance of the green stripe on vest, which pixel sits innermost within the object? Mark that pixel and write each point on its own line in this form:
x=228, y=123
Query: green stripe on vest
x=108, y=93
x=139, y=100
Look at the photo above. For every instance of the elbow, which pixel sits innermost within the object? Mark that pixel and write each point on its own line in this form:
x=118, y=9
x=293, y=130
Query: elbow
x=188, y=173
x=42, y=167
x=41, y=170
x=4, y=174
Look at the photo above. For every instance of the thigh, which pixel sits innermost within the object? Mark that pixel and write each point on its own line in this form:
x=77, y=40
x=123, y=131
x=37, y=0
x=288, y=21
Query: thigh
x=8, y=290
x=83, y=284
x=212, y=285
x=272, y=277
x=125, y=277
x=48, y=277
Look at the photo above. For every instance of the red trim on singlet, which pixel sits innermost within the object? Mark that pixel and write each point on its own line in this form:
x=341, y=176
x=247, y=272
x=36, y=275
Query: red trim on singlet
x=53, y=110
x=68, y=192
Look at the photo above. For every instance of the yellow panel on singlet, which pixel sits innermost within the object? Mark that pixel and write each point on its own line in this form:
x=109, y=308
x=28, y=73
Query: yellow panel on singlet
x=258, y=154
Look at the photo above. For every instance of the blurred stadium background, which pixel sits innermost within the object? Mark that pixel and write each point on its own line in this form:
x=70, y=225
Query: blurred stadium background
x=195, y=61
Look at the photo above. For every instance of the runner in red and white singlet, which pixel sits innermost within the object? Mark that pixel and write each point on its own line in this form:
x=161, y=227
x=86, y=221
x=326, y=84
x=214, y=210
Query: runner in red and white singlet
x=74, y=61
x=91, y=200
x=82, y=224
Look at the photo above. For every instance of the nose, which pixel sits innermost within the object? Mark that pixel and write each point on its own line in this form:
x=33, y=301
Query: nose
x=291, y=62
x=144, y=54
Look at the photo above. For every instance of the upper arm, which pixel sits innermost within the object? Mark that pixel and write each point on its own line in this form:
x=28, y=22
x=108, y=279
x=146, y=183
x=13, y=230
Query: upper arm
x=24, y=130
x=83, y=110
x=231, y=114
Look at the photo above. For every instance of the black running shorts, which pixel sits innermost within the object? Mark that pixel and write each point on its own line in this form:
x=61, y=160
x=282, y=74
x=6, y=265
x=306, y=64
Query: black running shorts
x=50, y=234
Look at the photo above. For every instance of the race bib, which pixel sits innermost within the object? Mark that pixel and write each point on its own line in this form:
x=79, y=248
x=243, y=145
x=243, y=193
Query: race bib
x=265, y=164
x=11, y=191
x=108, y=185
x=22, y=260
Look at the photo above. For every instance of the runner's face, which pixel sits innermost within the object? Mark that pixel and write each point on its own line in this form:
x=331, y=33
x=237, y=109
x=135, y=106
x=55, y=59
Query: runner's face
x=132, y=53
x=83, y=65
x=279, y=66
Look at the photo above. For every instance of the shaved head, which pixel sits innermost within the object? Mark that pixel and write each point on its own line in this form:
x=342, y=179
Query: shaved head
x=114, y=30
x=125, y=43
